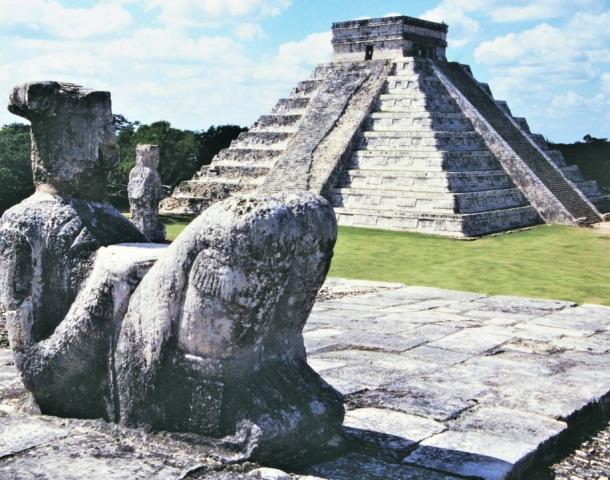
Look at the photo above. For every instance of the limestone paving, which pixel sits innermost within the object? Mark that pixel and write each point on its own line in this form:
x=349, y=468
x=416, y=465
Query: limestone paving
x=438, y=385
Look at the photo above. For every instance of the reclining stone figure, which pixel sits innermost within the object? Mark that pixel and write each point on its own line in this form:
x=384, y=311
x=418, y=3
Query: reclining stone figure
x=203, y=336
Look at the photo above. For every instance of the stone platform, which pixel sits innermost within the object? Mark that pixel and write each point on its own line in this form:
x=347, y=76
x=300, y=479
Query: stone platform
x=438, y=384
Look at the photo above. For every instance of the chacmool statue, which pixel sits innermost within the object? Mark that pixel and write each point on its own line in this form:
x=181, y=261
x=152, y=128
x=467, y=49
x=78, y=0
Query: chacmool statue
x=203, y=336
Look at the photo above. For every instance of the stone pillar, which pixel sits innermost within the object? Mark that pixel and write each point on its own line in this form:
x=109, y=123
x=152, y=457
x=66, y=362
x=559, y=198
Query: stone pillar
x=145, y=193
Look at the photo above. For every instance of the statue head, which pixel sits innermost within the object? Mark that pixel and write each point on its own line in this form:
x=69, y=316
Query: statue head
x=147, y=156
x=73, y=139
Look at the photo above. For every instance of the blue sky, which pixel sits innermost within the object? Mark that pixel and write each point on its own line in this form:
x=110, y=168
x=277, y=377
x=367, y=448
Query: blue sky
x=198, y=63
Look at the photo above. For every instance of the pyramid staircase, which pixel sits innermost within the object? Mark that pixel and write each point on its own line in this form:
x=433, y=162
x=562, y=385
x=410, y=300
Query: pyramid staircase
x=568, y=195
x=420, y=166
x=398, y=138
x=243, y=166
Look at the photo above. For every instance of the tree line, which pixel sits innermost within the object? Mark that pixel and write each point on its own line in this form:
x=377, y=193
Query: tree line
x=183, y=152
x=592, y=155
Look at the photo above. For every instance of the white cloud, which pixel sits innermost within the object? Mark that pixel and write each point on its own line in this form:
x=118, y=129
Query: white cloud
x=58, y=21
x=249, y=31
x=315, y=48
x=571, y=51
x=462, y=28
x=527, y=10
x=193, y=13
x=552, y=71
x=161, y=44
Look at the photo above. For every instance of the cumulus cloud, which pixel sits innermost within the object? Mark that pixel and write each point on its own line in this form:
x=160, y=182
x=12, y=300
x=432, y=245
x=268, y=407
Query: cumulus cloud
x=573, y=50
x=52, y=18
x=249, y=31
x=527, y=10
x=463, y=28
x=553, y=70
x=193, y=13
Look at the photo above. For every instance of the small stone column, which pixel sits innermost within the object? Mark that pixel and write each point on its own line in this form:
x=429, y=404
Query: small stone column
x=145, y=193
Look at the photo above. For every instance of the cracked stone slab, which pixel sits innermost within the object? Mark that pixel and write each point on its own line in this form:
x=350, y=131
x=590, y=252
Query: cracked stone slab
x=419, y=398
x=363, y=467
x=530, y=306
x=470, y=454
x=20, y=434
x=388, y=429
x=436, y=355
x=52, y=448
x=472, y=340
x=513, y=425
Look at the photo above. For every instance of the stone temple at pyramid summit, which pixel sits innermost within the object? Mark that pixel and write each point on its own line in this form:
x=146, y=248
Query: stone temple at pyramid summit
x=396, y=137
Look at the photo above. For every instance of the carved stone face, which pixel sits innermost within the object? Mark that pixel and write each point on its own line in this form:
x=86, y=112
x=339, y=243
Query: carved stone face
x=73, y=140
x=147, y=156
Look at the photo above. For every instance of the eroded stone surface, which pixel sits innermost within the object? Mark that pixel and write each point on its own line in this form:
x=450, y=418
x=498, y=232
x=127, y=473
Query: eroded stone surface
x=504, y=377
x=73, y=141
x=485, y=415
x=145, y=192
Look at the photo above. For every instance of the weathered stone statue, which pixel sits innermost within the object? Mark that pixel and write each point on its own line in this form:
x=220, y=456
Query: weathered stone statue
x=203, y=336
x=145, y=193
x=212, y=342
x=49, y=241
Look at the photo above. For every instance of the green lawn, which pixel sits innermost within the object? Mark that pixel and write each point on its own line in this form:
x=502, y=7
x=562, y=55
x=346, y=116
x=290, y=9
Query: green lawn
x=547, y=261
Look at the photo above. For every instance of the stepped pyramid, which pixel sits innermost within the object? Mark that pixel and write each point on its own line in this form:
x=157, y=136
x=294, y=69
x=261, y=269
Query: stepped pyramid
x=397, y=137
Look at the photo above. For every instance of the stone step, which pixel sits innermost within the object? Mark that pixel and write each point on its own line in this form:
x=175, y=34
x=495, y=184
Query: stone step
x=422, y=78
x=572, y=173
x=503, y=105
x=321, y=71
x=438, y=202
x=427, y=85
x=387, y=121
x=522, y=122
x=589, y=188
x=291, y=106
x=418, y=160
x=276, y=123
x=306, y=88
x=539, y=140
x=410, y=65
x=248, y=156
x=556, y=157
x=455, y=225
x=235, y=171
x=262, y=140
x=474, y=181
x=416, y=95
x=399, y=103
x=497, y=115
x=602, y=203
x=433, y=140
x=200, y=188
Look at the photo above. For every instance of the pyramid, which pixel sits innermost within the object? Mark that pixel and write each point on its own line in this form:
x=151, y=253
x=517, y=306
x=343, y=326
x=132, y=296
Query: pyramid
x=396, y=137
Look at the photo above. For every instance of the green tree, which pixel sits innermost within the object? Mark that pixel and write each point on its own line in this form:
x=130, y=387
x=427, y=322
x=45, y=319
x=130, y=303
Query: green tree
x=592, y=156
x=183, y=152
x=16, y=181
x=214, y=139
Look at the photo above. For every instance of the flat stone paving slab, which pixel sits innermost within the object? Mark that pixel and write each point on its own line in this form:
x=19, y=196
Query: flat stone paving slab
x=500, y=380
x=439, y=385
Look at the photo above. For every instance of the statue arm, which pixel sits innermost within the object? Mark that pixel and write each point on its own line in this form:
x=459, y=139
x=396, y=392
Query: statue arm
x=16, y=276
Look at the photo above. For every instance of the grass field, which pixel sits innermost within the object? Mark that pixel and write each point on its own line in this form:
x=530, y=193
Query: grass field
x=547, y=261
